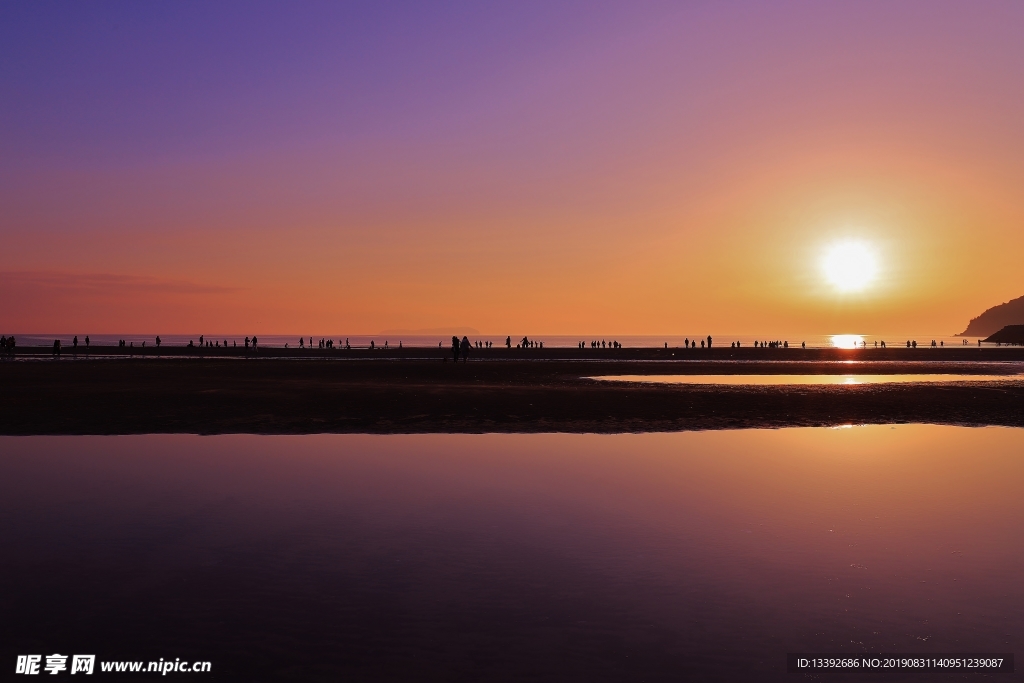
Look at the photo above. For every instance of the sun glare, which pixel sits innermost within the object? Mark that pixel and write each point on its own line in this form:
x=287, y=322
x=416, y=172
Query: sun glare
x=850, y=266
x=847, y=341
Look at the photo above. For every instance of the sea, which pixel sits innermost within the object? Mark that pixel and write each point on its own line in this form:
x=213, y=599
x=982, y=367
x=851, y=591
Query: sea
x=703, y=556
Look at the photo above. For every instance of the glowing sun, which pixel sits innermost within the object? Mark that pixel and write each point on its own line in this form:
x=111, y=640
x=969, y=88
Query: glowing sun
x=850, y=266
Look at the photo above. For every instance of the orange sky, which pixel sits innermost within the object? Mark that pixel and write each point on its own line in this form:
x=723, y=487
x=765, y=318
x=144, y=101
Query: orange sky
x=676, y=171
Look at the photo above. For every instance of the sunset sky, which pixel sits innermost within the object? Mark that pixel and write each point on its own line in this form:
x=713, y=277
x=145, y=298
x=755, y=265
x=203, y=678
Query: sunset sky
x=516, y=167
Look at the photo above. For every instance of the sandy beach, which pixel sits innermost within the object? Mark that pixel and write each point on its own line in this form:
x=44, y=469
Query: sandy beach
x=498, y=390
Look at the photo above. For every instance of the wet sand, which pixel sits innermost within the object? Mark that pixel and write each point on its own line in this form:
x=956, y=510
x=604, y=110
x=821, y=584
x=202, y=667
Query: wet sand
x=548, y=390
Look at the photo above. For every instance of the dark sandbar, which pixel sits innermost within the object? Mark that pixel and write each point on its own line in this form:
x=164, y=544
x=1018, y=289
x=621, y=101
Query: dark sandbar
x=499, y=390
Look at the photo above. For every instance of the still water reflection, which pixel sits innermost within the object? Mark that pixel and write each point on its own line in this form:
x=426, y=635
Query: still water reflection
x=784, y=380
x=501, y=557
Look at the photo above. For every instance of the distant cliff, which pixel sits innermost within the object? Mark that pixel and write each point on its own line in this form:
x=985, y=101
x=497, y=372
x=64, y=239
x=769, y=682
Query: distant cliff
x=1011, y=334
x=996, y=318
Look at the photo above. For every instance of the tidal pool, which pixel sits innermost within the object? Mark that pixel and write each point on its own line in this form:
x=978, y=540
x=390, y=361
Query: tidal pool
x=780, y=380
x=669, y=556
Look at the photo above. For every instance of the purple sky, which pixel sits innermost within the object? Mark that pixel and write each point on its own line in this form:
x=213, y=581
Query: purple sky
x=652, y=143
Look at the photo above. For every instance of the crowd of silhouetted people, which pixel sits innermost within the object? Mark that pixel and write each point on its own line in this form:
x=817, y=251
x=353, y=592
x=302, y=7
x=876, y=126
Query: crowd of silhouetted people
x=325, y=343
x=687, y=344
x=204, y=343
x=764, y=345
x=600, y=344
x=461, y=348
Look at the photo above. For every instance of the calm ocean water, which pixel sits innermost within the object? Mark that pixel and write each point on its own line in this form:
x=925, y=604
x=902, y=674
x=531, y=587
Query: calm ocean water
x=655, y=557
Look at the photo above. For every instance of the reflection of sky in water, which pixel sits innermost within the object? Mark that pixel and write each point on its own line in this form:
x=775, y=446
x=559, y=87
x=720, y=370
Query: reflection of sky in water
x=772, y=380
x=589, y=557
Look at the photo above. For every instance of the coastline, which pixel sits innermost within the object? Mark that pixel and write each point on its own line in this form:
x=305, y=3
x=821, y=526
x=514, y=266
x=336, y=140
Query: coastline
x=413, y=391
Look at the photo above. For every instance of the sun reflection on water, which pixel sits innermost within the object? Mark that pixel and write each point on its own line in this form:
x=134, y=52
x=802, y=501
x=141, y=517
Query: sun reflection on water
x=847, y=341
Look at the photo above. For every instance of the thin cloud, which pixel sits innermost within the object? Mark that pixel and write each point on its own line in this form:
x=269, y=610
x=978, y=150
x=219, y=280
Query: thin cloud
x=104, y=283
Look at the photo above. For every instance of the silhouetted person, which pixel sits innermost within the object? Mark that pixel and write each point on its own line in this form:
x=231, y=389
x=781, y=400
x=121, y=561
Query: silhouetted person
x=56, y=348
x=508, y=342
x=74, y=342
x=455, y=348
x=709, y=341
x=465, y=349
x=702, y=343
